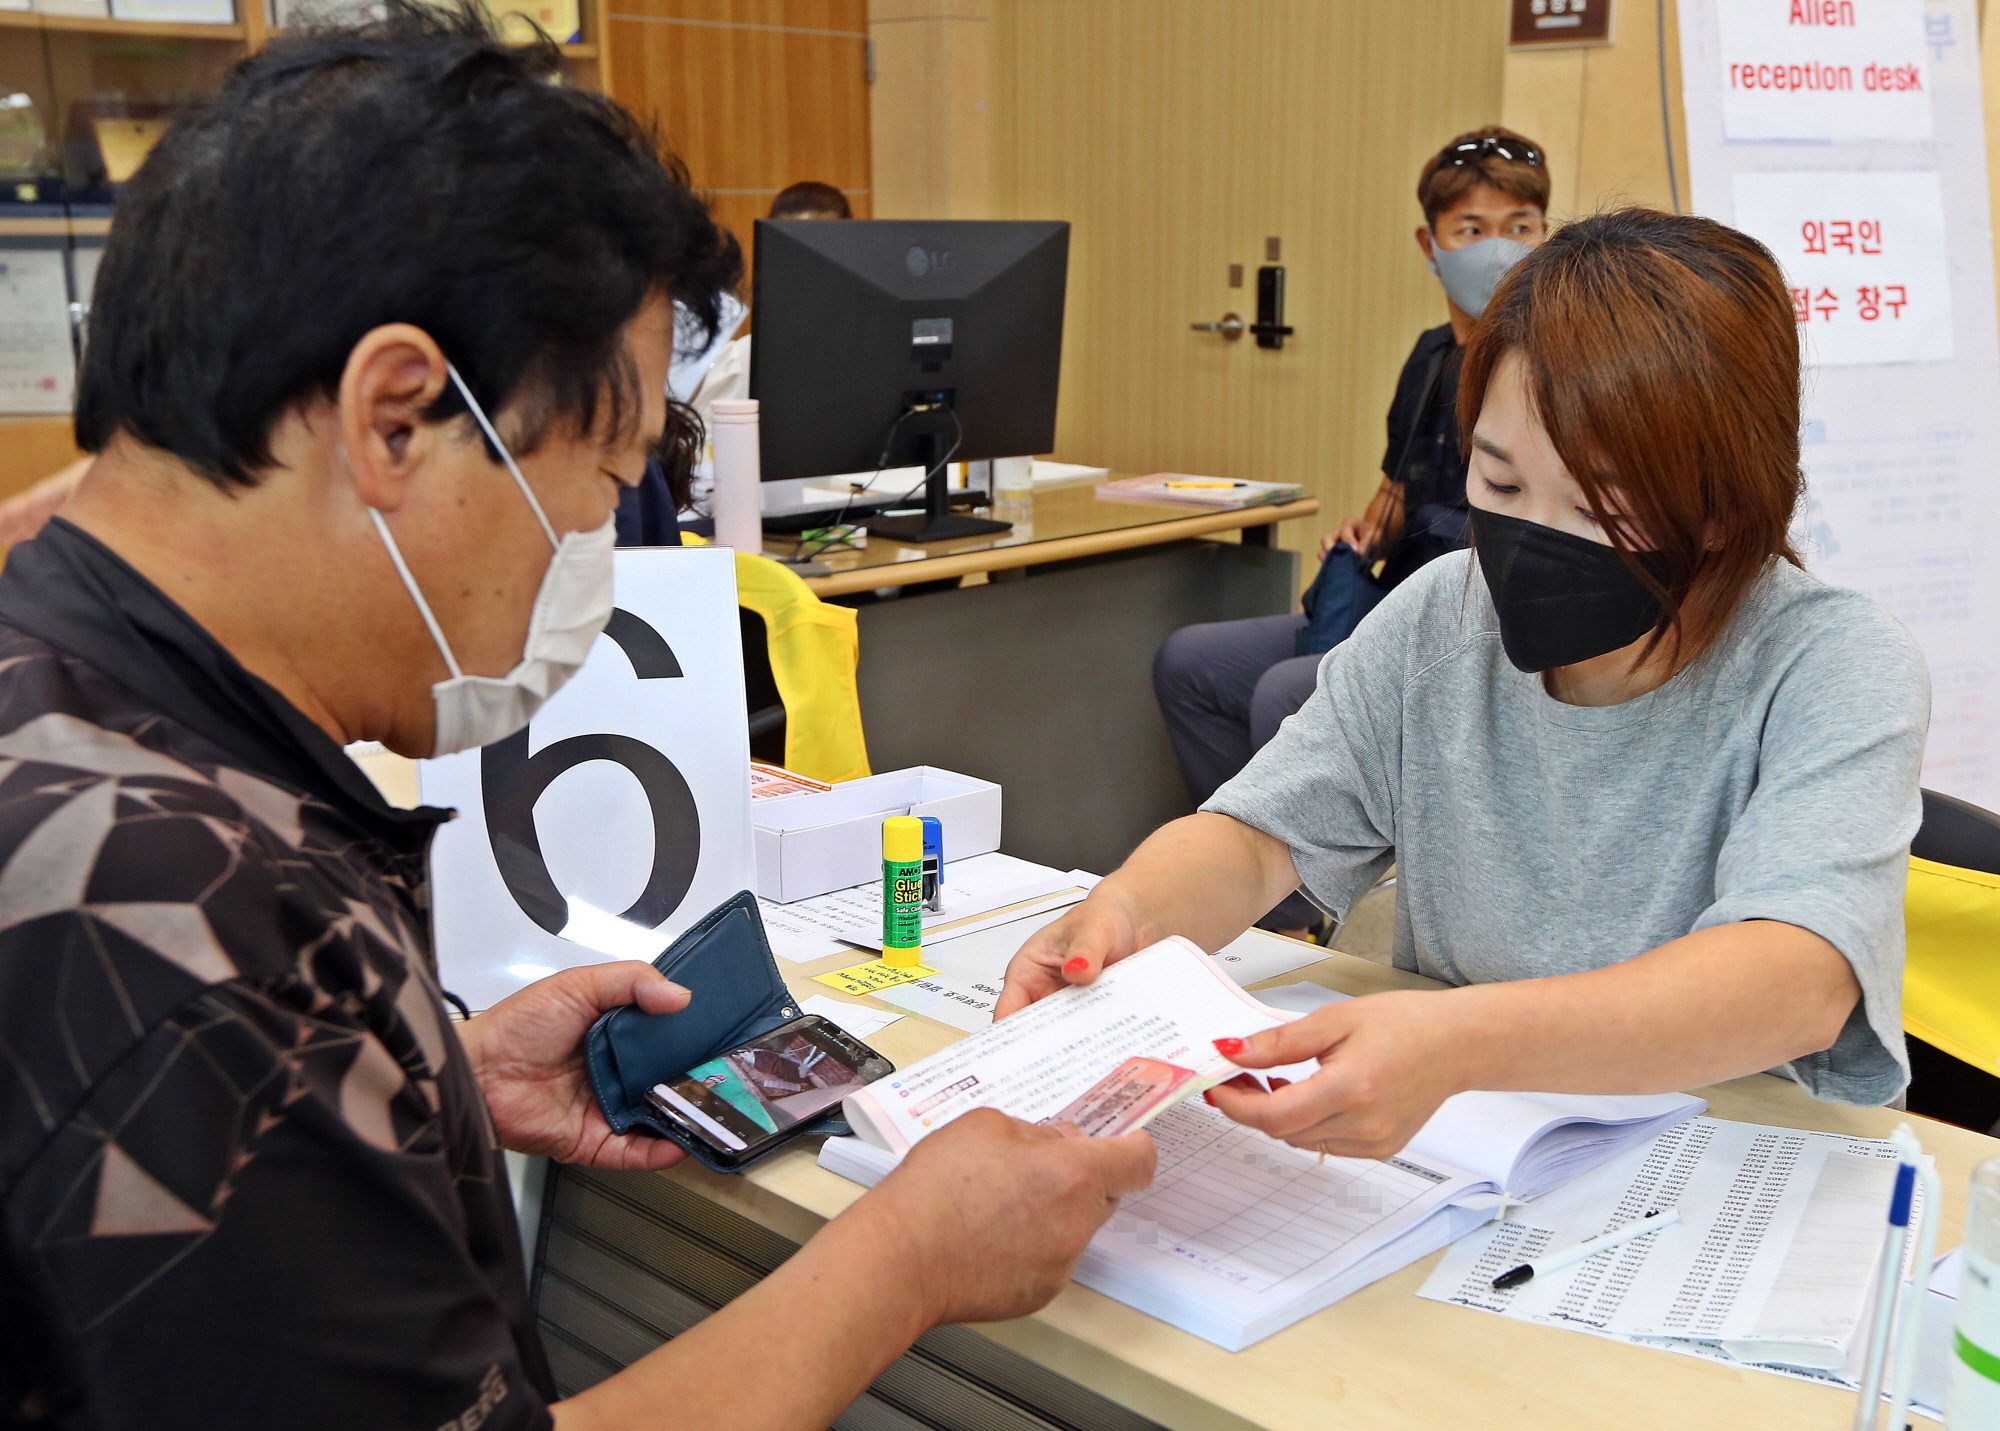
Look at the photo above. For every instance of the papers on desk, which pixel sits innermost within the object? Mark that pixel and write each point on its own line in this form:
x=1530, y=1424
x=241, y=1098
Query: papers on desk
x=1239, y=1236
x=1178, y=489
x=1770, y=1265
x=992, y=904
x=809, y=929
x=860, y=1022
x=971, y=969
x=1050, y=894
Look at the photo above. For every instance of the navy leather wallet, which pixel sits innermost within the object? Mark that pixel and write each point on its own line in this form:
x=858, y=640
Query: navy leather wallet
x=725, y=962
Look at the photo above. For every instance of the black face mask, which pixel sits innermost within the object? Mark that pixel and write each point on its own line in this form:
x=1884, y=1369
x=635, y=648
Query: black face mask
x=1561, y=598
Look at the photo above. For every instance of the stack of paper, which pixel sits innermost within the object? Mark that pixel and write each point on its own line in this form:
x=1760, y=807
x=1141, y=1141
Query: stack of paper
x=992, y=904
x=1175, y=488
x=1769, y=1266
x=1239, y=1236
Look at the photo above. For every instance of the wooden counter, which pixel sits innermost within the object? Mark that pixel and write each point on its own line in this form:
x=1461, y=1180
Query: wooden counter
x=1382, y=1360
x=1052, y=523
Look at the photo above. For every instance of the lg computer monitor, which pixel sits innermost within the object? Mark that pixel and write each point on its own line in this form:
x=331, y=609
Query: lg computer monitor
x=906, y=342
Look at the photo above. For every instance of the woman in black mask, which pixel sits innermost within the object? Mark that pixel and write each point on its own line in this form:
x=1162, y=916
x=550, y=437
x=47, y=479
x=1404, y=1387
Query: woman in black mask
x=1649, y=785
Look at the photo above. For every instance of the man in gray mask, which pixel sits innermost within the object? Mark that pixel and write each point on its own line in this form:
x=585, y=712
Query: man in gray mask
x=1224, y=687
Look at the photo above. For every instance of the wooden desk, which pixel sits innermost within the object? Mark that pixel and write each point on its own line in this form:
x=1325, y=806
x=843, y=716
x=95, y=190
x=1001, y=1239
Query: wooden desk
x=1060, y=522
x=1382, y=1360
x=1041, y=679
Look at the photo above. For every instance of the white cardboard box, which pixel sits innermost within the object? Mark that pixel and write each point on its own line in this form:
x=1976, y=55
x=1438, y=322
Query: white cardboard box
x=832, y=839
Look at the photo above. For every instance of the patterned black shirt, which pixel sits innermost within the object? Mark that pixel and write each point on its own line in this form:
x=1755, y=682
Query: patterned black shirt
x=247, y=1178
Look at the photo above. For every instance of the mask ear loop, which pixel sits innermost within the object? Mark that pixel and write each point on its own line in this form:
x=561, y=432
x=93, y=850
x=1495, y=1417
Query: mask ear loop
x=417, y=594
x=479, y=415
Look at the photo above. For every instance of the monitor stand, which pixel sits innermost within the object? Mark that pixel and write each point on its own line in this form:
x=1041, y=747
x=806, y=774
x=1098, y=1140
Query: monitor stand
x=937, y=524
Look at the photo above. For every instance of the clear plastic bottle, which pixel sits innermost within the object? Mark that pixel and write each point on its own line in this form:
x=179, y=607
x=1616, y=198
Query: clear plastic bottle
x=1973, y=1403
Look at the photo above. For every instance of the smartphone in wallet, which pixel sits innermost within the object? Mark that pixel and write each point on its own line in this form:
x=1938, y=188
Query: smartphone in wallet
x=741, y=1104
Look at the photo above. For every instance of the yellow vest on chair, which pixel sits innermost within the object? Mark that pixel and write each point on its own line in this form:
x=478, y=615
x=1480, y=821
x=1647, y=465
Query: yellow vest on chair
x=1951, y=977
x=814, y=648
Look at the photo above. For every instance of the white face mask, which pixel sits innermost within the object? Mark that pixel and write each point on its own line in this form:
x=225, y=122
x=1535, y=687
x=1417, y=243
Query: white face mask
x=571, y=609
x=1471, y=274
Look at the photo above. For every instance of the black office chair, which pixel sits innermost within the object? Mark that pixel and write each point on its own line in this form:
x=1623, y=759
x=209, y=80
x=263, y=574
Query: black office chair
x=765, y=710
x=1955, y=832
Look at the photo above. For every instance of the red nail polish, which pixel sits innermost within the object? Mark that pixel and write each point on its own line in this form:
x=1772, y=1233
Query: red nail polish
x=1078, y=965
x=1229, y=1047
x=1209, y=1099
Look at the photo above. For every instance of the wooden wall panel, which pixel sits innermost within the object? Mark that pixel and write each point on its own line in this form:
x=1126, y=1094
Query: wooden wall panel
x=753, y=94
x=931, y=111
x=1175, y=135
x=1596, y=110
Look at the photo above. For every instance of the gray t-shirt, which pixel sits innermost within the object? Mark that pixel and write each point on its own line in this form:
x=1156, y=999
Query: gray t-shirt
x=1774, y=779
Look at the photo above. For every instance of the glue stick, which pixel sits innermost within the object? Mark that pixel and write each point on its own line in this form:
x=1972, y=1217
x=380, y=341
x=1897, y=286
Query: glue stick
x=902, y=891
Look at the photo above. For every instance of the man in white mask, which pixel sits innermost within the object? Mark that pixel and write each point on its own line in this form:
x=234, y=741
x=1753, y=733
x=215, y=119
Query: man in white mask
x=1224, y=687
x=381, y=336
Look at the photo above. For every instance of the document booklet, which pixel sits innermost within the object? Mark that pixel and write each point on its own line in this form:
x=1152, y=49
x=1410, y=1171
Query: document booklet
x=1240, y=1235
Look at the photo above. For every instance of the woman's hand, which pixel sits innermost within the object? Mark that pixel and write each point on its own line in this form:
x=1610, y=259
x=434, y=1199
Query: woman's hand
x=1386, y=1062
x=1206, y=876
x=1100, y=931
x=1715, y=1004
x=527, y=1051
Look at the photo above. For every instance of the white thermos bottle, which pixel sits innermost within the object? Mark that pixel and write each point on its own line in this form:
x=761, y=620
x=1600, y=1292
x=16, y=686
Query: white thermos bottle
x=739, y=515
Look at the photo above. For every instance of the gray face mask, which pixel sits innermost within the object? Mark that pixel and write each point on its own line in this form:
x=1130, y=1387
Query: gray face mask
x=1470, y=274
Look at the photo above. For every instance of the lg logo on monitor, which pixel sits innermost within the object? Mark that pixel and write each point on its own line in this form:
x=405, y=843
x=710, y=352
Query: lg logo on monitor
x=921, y=261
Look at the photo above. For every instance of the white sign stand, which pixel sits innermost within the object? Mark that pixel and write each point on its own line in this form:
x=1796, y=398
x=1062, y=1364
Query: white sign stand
x=1867, y=179
x=622, y=814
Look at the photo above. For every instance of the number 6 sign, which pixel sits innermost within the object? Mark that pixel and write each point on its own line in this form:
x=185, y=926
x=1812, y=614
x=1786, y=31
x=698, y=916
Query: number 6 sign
x=622, y=814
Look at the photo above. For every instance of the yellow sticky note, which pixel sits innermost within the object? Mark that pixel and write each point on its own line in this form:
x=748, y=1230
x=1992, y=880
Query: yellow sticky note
x=867, y=978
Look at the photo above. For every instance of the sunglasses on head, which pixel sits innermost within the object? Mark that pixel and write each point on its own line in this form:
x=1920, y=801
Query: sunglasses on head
x=1472, y=151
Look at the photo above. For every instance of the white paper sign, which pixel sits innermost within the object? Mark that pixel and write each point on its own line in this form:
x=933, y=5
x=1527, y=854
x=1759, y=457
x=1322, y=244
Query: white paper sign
x=1824, y=69
x=37, y=361
x=622, y=814
x=1899, y=430
x=1864, y=257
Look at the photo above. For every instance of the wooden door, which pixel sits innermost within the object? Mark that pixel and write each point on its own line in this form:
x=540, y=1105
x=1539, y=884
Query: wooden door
x=1177, y=136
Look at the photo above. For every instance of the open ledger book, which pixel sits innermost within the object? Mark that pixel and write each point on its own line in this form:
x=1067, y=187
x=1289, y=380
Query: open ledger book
x=1239, y=1236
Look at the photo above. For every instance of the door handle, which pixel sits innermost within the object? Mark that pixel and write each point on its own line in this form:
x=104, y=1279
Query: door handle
x=1231, y=327
x=1270, y=327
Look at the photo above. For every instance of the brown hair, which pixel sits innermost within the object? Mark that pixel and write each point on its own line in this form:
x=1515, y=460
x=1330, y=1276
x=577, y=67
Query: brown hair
x=1662, y=357
x=1441, y=185
x=810, y=197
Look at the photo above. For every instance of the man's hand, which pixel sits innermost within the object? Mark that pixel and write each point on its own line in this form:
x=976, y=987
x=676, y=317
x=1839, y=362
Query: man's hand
x=984, y=1220
x=527, y=1051
x=1102, y=930
x=1355, y=532
x=991, y=1214
x=1386, y=1062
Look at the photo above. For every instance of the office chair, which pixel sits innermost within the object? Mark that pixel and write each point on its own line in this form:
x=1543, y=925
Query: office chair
x=799, y=658
x=799, y=664
x=1951, y=980
x=765, y=707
